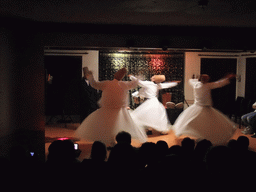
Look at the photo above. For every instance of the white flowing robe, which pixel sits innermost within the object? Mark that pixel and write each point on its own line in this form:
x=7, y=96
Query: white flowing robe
x=152, y=113
x=201, y=120
x=105, y=123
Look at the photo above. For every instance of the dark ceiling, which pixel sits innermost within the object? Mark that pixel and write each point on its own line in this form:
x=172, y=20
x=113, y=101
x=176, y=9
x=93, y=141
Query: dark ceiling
x=228, y=13
x=178, y=24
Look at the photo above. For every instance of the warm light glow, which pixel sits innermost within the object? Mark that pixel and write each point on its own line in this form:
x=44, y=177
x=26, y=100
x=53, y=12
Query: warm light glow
x=63, y=138
x=157, y=64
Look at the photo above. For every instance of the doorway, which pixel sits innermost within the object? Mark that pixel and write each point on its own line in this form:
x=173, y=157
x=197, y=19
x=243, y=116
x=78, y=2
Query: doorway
x=250, y=85
x=223, y=98
x=63, y=91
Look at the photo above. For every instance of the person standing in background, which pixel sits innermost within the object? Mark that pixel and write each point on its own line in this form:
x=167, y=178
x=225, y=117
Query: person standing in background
x=88, y=97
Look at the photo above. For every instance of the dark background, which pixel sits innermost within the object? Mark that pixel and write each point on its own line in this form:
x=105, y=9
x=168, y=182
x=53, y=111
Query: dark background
x=63, y=95
x=223, y=98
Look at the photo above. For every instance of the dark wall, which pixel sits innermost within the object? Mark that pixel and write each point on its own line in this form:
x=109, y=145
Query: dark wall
x=101, y=36
x=22, y=90
x=104, y=36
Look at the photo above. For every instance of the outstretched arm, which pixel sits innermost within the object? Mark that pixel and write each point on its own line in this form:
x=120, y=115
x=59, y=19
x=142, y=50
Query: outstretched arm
x=192, y=82
x=169, y=84
x=133, y=83
x=140, y=82
x=95, y=84
x=222, y=82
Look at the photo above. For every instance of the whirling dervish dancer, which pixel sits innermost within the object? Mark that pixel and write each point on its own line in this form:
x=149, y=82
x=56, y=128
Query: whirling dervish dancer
x=151, y=113
x=201, y=120
x=105, y=123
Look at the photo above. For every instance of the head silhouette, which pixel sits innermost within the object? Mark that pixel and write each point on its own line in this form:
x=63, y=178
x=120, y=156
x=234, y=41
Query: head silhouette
x=123, y=137
x=119, y=75
x=99, y=151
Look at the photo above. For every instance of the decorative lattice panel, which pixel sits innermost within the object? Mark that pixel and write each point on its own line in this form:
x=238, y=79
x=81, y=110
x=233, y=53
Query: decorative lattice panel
x=145, y=64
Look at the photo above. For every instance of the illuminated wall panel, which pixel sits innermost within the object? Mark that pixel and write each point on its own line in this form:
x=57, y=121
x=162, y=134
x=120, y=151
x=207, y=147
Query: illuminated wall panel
x=146, y=64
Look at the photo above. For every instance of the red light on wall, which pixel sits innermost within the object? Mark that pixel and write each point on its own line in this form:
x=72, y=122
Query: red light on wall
x=157, y=64
x=63, y=138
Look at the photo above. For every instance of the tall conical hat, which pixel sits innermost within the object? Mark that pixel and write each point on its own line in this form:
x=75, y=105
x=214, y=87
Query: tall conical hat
x=119, y=75
x=158, y=78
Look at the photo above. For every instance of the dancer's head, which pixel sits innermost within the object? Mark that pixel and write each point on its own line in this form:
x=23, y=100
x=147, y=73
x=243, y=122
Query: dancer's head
x=85, y=70
x=204, y=78
x=158, y=78
x=119, y=75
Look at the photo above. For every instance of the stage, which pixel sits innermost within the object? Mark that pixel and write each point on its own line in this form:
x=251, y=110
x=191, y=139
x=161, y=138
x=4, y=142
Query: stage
x=57, y=130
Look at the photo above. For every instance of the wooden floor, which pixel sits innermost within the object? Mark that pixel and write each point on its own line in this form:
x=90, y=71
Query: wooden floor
x=55, y=131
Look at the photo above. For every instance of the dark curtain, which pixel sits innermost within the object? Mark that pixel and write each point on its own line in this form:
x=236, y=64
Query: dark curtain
x=148, y=64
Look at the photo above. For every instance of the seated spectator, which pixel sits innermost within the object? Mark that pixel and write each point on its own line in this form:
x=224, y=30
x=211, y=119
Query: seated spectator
x=220, y=161
x=223, y=168
x=122, y=164
x=147, y=154
x=242, y=143
x=122, y=157
x=54, y=152
x=62, y=165
x=96, y=168
x=249, y=120
x=187, y=146
x=162, y=149
x=170, y=170
x=232, y=144
x=194, y=165
x=201, y=149
x=62, y=152
x=96, y=164
x=198, y=165
x=99, y=151
x=175, y=150
x=123, y=137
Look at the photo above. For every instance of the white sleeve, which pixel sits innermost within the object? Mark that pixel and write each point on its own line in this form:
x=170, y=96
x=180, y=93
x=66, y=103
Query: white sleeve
x=140, y=83
x=192, y=82
x=168, y=85
x=132, y=84
x=218, y=84
x=135, y=94
x=96, y=84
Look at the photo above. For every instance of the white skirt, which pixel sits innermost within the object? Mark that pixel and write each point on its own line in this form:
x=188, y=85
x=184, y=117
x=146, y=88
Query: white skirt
x=204, y=122
x=104, y=124
x=152, y=114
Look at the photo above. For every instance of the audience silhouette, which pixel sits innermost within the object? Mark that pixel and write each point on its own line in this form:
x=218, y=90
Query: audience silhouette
x=152, y=166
